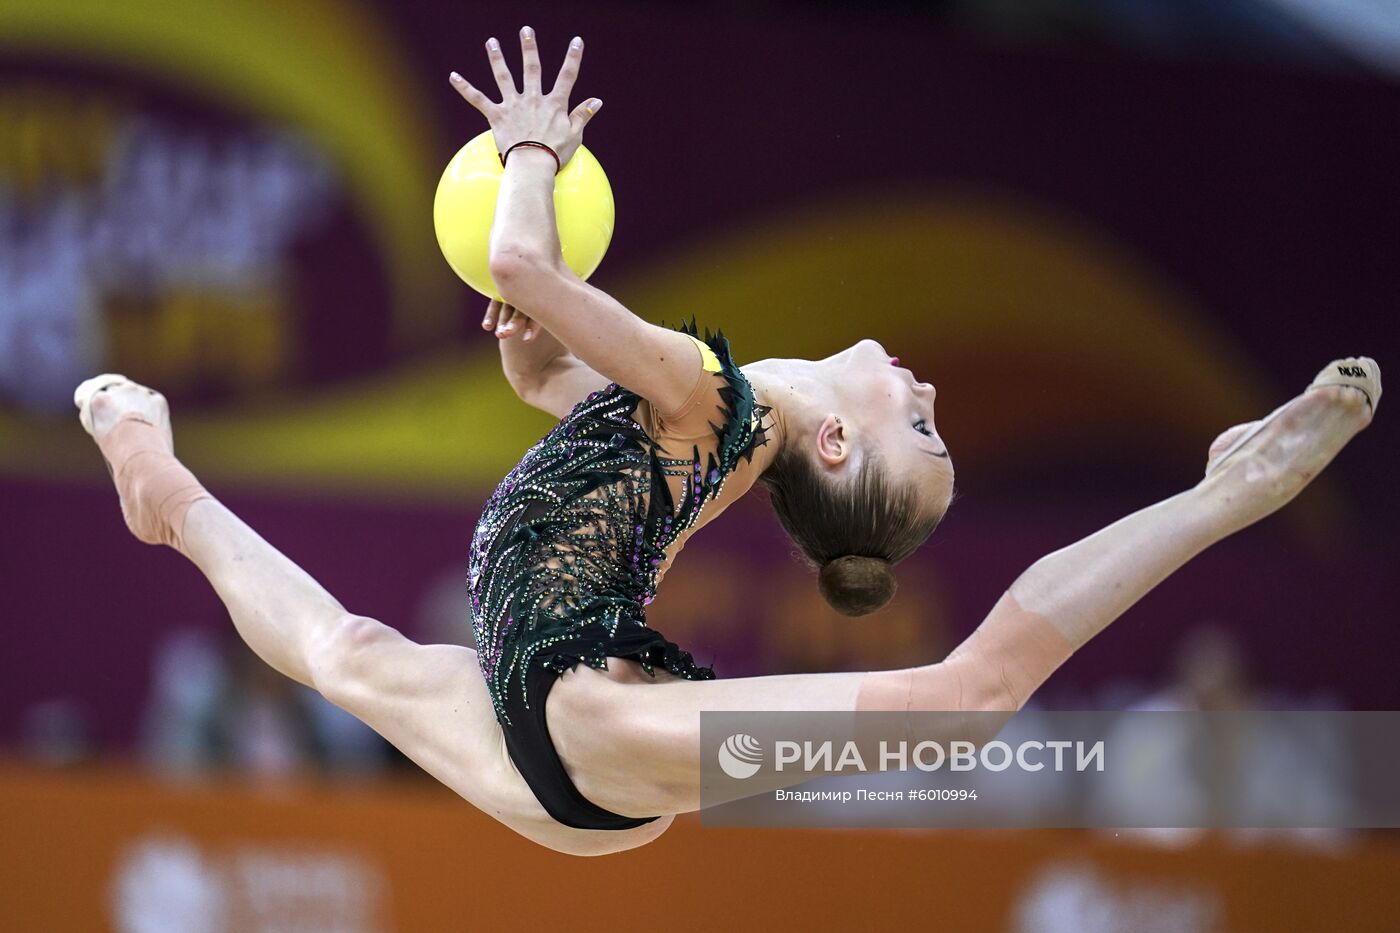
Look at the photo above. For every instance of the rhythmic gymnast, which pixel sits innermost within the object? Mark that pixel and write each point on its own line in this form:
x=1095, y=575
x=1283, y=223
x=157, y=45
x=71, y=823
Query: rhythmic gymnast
x=573, y=722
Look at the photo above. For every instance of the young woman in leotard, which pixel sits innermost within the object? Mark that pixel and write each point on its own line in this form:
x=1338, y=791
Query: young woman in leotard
x=572, y=721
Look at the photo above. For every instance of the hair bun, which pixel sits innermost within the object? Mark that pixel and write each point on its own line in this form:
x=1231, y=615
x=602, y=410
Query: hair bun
x=856, y=585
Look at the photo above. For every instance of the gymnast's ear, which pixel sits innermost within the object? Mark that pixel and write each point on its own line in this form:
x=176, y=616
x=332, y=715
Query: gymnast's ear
x=833, y=441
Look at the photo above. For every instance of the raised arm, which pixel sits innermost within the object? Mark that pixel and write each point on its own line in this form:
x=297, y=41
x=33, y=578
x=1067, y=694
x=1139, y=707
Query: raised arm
x=526, y=262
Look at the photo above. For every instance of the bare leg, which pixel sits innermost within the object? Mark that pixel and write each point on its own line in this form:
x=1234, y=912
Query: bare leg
x=428, y=700
x=1057, y=605
x=661, y=727
x=1083, y=588
x=278, y=609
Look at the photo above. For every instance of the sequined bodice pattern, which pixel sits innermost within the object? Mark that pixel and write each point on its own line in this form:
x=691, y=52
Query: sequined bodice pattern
x=567, y=549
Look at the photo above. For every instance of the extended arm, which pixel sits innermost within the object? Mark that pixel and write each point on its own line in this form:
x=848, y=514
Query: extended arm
x=526, y=262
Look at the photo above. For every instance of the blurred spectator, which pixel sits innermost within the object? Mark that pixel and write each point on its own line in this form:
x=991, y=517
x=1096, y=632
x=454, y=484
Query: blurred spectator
x=1210, y=673
x=1271, y=767
x=443, y=616
x=262, y=726
x=57, y=733
x=216, y=705
x=188, y=677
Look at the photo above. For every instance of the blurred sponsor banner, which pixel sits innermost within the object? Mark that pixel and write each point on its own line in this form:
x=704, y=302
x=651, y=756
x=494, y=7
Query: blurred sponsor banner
x=113, y=850
x=225, y=200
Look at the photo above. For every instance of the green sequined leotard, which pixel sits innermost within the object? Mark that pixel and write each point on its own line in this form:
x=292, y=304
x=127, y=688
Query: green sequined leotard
x=566, y=552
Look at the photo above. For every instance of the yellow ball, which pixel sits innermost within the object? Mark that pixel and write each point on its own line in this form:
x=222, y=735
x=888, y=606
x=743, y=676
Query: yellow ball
x=466, y=204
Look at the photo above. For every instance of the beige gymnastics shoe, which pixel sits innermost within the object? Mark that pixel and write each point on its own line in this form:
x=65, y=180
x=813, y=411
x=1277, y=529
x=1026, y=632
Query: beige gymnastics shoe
x=1359, y=373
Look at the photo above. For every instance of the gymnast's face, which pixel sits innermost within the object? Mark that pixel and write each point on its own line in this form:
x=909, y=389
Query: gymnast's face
x=883, y=409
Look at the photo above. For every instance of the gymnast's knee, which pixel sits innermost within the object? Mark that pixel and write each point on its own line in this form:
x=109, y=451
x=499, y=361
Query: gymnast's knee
x=341, y=656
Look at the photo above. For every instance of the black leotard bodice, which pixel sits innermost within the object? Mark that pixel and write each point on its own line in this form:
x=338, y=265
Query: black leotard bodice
x=566, y=552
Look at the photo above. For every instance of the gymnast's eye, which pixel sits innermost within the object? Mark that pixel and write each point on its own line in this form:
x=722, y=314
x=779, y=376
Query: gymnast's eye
x=922, y=427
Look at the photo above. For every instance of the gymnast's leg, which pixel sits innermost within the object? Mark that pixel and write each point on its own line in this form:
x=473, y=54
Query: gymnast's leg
x=429, y=700
x=1052, y=609
x=283, y=614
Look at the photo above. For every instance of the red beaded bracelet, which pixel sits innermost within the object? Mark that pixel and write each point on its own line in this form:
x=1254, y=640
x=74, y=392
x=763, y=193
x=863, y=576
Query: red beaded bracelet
x=533, y=145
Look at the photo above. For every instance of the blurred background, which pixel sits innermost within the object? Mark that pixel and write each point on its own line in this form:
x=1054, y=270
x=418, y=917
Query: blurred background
x=1105, y=229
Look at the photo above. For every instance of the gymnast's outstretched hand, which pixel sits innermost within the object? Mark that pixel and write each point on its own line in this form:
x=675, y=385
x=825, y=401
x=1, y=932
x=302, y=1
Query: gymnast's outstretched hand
x=531, y=114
